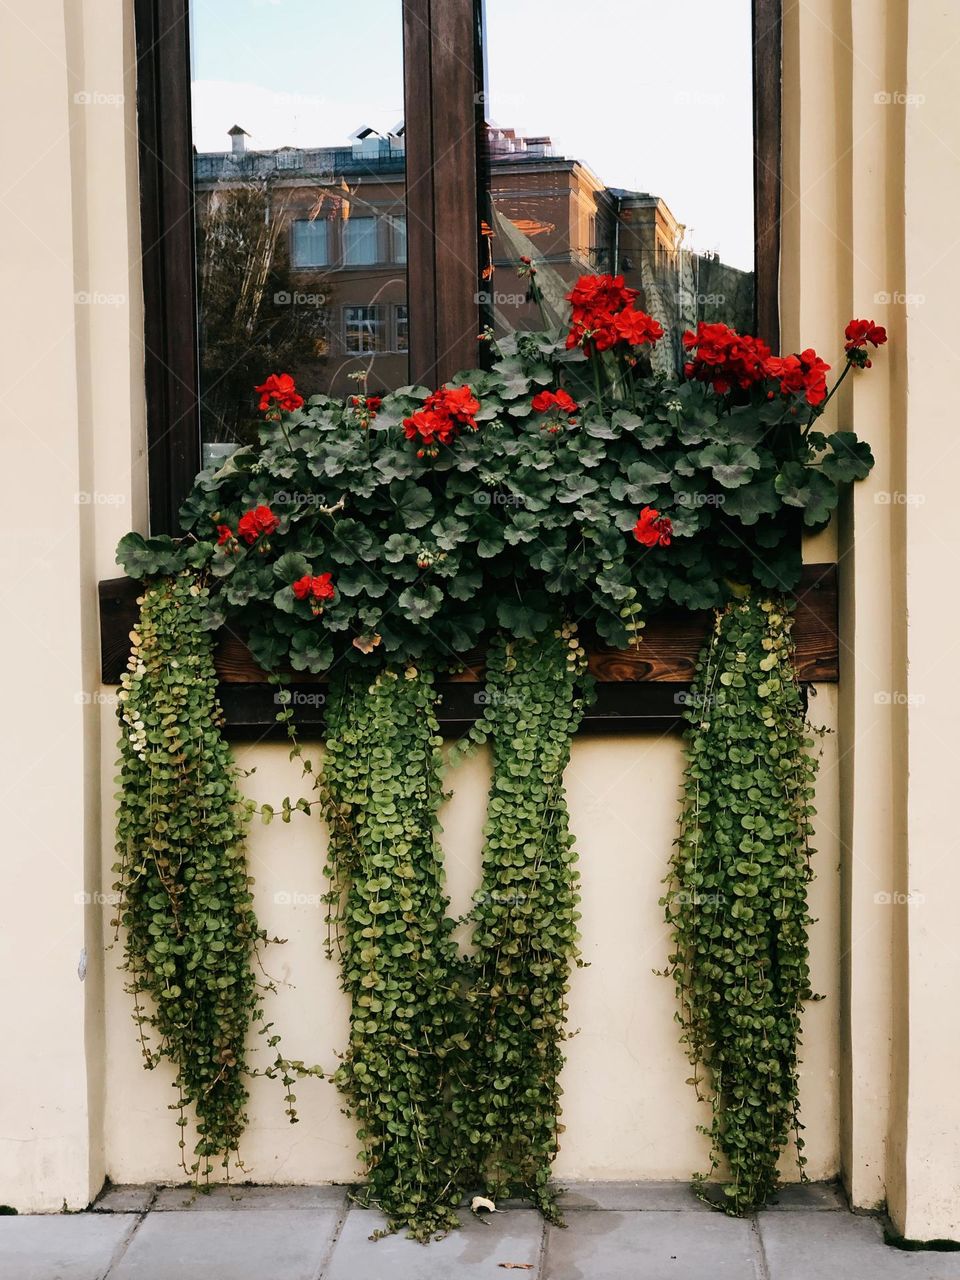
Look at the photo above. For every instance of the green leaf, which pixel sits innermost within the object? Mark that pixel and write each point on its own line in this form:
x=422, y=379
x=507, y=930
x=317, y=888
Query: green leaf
x=522, y=620
x=142, y=557
x=801, y=486
x=420, y=602
x=291, y=566
x=849, y=458
x=730, y=464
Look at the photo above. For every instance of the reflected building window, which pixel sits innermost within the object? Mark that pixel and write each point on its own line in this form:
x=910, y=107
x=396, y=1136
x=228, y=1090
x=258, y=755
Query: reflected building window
x=362, y=330
x=401, y=328
x=398, y=230
x=360, y=242
x=311, y=243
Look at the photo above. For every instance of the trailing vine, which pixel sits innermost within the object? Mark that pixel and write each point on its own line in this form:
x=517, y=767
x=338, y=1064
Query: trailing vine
x=525, y=916
x=191, y=937
x=737, y=897
x=381, y=789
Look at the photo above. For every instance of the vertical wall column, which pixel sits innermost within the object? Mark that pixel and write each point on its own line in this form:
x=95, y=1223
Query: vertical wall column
x=924, y=1183
x=50, y=1150
x=74, y=481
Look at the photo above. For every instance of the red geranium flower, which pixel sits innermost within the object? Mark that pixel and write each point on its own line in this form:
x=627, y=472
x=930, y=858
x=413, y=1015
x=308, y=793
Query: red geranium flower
x=724, y=358
x=319, y=588
x=279, y=391
x=224, y=534
x=652, y=529
x=803, y=374
x=546, y=400
x=601, y=315
x=637, y=328
x=256, y=523
x=444, y=415
x=859, y=332
x=374, y=403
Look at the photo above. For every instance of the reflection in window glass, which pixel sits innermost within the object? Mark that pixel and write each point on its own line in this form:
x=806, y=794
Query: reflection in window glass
x=362, y=330
x=583, y=191
x=360, y=242
x=311, y=243
x=401, y=327
x=399, y=226
x=294, y=172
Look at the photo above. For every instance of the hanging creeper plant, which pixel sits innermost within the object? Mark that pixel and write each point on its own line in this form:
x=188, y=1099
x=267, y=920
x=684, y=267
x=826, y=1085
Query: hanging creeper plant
x=381, y=789
x=737, y=900
x=525, y=919
x=190, y=933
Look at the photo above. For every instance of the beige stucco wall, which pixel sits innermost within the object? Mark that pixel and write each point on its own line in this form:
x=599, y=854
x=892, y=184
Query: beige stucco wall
x=871, y=182
x=628, y=1112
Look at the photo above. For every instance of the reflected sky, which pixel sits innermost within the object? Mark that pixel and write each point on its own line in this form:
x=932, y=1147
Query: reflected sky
x=653, y=96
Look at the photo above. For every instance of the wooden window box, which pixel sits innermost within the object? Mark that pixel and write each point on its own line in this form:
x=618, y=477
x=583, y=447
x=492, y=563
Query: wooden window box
x=637, y=689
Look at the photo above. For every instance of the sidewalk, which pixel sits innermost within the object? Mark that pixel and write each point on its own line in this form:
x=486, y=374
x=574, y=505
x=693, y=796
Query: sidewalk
x=615, y=1231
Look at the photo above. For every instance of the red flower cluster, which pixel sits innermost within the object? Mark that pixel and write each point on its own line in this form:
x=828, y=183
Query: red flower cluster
x=602, y=314
x=366, y=406
x=444, y=415
x=315, y=589
x=652, y=529
x=804, y=374
x=256, y=523
x=858, y=333
x=224, y=535
x=725, y=358
x=560, y=400
x=279, y=392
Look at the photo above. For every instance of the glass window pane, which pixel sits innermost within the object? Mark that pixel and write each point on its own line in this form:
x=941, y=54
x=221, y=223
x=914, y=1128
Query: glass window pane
x=625, y=188
x=399, y=225
x=295, y=171
x=360, y=241
x=362, y=330
x=311, y=243
x=401, y=326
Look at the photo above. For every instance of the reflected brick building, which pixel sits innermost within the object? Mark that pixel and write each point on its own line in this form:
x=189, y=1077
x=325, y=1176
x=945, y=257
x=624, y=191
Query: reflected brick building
x=339, y=223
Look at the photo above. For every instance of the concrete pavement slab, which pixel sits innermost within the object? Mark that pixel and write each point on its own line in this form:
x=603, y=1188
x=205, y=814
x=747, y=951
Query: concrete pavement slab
x=472, y=1253
x=270, y=1244
x=843, y=1246
x=61, y=1246
x=655, y=1245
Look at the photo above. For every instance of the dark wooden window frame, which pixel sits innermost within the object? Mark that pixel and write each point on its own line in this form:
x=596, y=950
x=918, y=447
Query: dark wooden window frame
x=444, y=94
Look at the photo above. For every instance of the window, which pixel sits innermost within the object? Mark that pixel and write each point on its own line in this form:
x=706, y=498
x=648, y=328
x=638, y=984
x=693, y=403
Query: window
x=360, y=242
x=398, y=227
x=362, y=330
x=401, y=328
x=218, y=146
x=311, y=243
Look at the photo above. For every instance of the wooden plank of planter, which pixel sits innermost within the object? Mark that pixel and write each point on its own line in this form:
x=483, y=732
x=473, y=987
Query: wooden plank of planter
x=666, y=655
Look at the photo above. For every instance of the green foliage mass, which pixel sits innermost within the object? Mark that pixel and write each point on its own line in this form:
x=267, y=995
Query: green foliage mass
x=525, y=920
x=737, y=897
x=381, y=789
x=190, y=934
x=529, y=515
